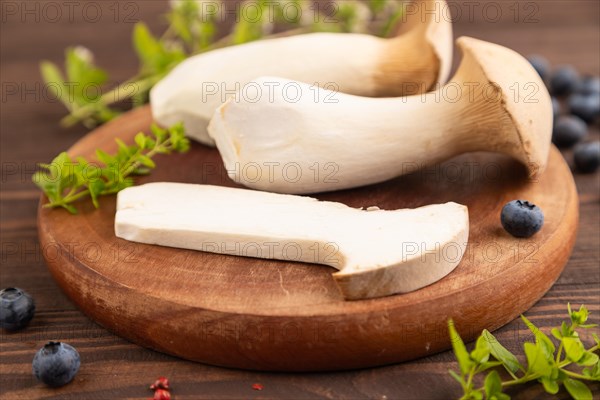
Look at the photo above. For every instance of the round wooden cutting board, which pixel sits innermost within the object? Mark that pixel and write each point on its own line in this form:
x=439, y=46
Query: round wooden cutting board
x=273, y=315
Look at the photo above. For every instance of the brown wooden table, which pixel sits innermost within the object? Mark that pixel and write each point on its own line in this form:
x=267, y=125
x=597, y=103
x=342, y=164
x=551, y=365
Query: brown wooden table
x=564, y=31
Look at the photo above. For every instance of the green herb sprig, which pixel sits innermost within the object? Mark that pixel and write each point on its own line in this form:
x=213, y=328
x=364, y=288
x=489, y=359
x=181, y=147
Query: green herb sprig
x=545, y=364
x=192, y=30
x=66, y=180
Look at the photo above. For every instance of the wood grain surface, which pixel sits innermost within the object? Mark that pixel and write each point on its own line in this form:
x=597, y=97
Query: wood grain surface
x=283, y=316
x=564, y=31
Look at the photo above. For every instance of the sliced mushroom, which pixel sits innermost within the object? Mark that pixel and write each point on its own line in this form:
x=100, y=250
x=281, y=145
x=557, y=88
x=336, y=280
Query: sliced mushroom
x=351, y=63
x=377, y=252
x=286, y=140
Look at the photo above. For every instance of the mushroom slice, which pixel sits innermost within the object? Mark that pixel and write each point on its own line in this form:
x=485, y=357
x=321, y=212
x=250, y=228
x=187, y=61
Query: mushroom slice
x=377, y=252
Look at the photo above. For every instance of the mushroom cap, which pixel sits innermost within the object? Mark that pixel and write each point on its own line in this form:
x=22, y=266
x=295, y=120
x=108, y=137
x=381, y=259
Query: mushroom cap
x=523, y=97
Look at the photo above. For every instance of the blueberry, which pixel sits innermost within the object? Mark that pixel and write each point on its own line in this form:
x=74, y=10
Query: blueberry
x=541, y=65
x=56, y=364
x=568, y=130
x=521, y=218
x=587, y=156
x=589, y=85
x=586, y=107
x=16, y=309
x=555, y=108
x=564, y=81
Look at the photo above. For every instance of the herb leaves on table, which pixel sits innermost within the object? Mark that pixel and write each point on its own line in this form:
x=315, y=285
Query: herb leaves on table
x=545, y=362
x=66, y=180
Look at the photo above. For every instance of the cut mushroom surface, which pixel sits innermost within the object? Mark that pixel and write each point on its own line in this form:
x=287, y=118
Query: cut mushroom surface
x=377, y=252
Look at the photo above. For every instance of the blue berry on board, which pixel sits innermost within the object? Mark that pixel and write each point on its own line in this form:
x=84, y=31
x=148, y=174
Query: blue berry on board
x=564, y=81
x=555, y=108
x=587, y=156
x=541, y=65
x=586, y=107
x=56, y=364
x=521, y=218
x=589, y=85
x=568, y=130
x=16, y=309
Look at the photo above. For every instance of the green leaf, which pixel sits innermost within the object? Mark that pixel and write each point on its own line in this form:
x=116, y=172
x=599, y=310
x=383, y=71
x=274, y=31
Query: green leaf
x=460, y=351
x=140, y=140
x=181, y=26
x=184, y=17
x=55, y=82
x=146, y=161
x=49, y=185
x=493, y=384
x=251, y=22
x=247, y=31
x=83, y=76
x=78, y=175
x=596, y=338
x=541, y=339
x=481, y=353
x=82, y=161
x=487, y=365
x=156, y=57
x=178, y=140
x=150, y=143
x=146, y=46
x=476, y=395
x=104, y=157
x=456, y=376
x=550, y=385
x=61, y=160
x=110, y=173
x=71, y=209
x=588, y=359
x=595, y=372
x=123, y=148
x=206, y=33
x=574, y=348
x=499, y=352
x=579, y=317
x=96, y=187
x=74, y=66
x=565, y=329
x=556, y=333
x=40, y=179
x=195, y=29
x=51, y=73
x=536, y=360
x=578, y=390
x=160, y=133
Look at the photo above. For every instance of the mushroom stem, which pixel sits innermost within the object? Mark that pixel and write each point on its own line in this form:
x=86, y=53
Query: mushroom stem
x=351, y=63
x=286, y=137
